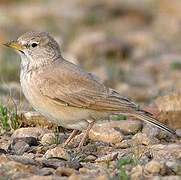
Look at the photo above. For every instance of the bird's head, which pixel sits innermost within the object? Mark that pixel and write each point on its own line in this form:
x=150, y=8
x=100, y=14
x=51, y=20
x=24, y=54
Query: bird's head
x=36, y=48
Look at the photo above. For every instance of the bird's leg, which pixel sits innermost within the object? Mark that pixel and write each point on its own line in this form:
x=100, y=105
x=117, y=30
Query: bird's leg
x=72, y=135
x=85, y=134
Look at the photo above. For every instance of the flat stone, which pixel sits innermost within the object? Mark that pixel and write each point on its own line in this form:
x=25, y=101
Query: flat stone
x=21, y=145
x=3, y=159
x=58, y=152
x=175, y=166
x=107, y=158
x=45, y=171
x=111, y=131
x=48, y=139
x=35, y=132
x=37, y=177
x=65, y=171
x=170, y=152
x=54, y=163
x=153, y=167
x=137, y=173
x=75, y=177
x=141, y=138
x=23, y=159
x=127, y=126
x=178, y=132
x=166, y=178
x=106, y=133
x=33, y=118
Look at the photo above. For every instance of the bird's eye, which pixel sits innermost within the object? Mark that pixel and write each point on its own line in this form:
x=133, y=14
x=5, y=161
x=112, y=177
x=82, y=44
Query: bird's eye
x=34, y=45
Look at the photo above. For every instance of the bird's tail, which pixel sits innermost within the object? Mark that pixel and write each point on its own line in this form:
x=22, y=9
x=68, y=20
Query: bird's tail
x=143, y=115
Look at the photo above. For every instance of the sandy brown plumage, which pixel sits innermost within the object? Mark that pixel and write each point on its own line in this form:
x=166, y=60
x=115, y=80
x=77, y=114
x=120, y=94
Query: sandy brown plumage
x=65, y=93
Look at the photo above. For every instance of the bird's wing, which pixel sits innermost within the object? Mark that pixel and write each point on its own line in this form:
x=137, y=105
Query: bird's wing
x=66, y=84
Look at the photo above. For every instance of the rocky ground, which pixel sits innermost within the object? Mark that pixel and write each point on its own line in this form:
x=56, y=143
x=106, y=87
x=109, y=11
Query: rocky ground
x=116, y=149
x=132, y=46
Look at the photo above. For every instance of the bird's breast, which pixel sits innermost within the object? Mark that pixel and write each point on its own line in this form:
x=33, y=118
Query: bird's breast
x=63, y=115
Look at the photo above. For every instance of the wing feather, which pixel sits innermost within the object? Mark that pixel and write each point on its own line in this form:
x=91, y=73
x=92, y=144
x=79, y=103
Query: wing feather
x=76, y=88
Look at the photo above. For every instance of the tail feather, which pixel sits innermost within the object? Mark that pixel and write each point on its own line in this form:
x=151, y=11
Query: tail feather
x=148, y=118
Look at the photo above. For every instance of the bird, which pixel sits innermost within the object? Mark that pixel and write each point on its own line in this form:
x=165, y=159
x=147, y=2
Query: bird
x=66, y=94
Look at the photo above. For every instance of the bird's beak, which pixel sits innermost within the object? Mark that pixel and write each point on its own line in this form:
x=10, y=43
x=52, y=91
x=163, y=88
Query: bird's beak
x=15, y=45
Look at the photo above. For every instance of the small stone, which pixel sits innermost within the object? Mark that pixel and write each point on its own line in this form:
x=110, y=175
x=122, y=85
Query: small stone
x=150, y=130
x=21, y=145
x=3, y=159
x=174, y=166
x=2, y=151
x=153, y=167
x=57, y=152
x=33, y=118
x=108, y=157
x=64, y=171
x=23, y=159
x=45, y=171
x=48, y=139
x=141, y=138
x=90, y=158
x=102, y=177
x=166, y=178
x=104, y=132
x=18, y=147
x=137, y=173
x=124, y=144
x=178, y=132
x=170, y=152
x=127, y=126
x=54, y=163
x=75, y=177
x=29, y=132
x=37, y=177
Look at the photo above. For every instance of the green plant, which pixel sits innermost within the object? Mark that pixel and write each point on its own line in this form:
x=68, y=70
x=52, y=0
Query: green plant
x=8, y=119
x=121, y=165
x=176, y=65
x=4, y=118
x=120, y=117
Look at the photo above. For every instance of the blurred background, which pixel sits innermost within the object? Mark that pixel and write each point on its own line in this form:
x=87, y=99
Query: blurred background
x=133, y=46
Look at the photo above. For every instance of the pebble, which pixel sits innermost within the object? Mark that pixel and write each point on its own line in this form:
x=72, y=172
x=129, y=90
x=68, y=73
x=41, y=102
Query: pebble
x=166, y=178
x=23, y=159
x=102, y=177
x=169, y=152
x=45, y=171
x=137, y=172
x=127, y=126
x=35, y=132
x=21, y=145
x=57, y=152
x=106, y=158
x=33, y=118
x=153, y=167
x=64, y=171
x=174, y=166
x=141, y=138
x=150, y=130
x=105, y=133
x=2, y=151
x=18, y=147
x=55, y=163
x=124, y=144
x=48, y=139
x=178, y=132
x=37, y=177
x=90, y=158
x=75, y=177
